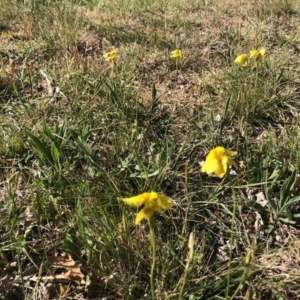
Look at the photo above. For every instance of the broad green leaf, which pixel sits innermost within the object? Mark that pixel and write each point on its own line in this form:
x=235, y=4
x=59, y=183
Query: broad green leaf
x=62, y=132
x=275, y=174
x=83, y=146
x=288, y=214
x=55, y=155
x=287, y=187
x=43, y=151
x=47, y=131
x=290, y=202
x=271, y=202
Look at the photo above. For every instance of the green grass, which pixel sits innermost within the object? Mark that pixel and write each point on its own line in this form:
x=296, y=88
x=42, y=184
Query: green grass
x=77, y=134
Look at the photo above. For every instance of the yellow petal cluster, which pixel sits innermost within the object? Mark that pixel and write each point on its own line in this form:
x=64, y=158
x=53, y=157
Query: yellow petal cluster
x=242, y=60
x=177, y=54
x=152, y=202
x=111, y=55
x=217, y=161
x=258, y=55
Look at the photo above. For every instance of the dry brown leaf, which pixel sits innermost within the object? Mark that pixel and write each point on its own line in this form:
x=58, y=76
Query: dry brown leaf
x=71, y=269
x=65, y=261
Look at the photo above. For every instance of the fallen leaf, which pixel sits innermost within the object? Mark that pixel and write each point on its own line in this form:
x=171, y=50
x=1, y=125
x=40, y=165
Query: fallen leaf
x=65, y=261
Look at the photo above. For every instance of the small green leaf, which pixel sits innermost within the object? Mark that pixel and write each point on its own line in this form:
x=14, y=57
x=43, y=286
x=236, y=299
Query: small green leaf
x=275, y=174
x=270, y=228
x=147, y=175
x=71, y=246
x=286, y=220
x=225, y=113
x=212, y=119
x=153, y=93
x=280, y=75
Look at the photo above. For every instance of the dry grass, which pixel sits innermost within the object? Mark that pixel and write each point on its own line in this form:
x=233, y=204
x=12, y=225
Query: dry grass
x=76, y=134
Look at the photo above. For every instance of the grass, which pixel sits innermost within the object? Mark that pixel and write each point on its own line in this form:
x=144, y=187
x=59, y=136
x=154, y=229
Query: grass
x=78, y=133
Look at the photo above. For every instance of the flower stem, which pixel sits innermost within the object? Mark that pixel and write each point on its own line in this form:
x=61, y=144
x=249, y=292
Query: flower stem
x=231, y=245
x=256, y=79
x=153, y=246
x=188, y=263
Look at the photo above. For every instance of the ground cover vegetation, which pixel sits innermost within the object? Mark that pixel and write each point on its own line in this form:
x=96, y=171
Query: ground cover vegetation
x=188, y=111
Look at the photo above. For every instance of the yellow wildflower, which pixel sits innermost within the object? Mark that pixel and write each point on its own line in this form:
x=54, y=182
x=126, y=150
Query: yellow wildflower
x=153, y=202
x=242, y=59
x=177, y=54
x=217, y=161
x=111, y=55
x=258, y=54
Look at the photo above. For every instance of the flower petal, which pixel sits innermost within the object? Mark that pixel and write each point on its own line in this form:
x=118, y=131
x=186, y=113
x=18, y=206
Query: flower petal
x=146, y=212
x=242, y=59
x=164, y=201
x=231, y=162
x=114, y=51
x=224, y=161
x=111, y=55
x=258, y=54
x=177, y=54
x=213, y=166
x=254, y=53
x=220, y=172
x=262, y=52
x=217, y=161
x=138, y=200
x=157, y=208
x=231, y=153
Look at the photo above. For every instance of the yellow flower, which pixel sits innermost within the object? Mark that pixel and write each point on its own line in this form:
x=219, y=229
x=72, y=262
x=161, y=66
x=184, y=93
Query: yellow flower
x=153, y=202
x=111, y=55
x=217, y=161
x=258, y=54
x=242, y=60
x=177, y=54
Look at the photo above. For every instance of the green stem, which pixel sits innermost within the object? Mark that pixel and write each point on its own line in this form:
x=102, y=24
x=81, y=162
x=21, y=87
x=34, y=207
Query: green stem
x=188, y=263
x=255, y=87
x=153, y=246
x=231, y=244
